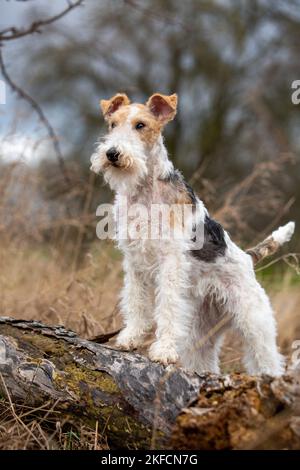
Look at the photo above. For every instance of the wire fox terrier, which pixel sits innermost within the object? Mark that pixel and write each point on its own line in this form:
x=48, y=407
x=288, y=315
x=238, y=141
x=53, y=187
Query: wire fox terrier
x=192, y=294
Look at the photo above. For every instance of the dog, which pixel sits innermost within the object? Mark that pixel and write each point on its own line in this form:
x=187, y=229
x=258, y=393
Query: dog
x=191, y=295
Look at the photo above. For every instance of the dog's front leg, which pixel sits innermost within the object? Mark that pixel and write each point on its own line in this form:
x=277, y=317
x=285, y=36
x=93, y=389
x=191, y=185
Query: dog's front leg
x=136, y=306
x=173, y=309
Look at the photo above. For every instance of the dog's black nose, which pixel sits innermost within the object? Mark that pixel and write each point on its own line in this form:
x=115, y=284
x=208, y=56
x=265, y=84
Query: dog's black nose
x=112, y=154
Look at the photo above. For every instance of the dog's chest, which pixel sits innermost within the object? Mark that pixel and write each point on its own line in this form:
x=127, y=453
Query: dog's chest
x=138, y=215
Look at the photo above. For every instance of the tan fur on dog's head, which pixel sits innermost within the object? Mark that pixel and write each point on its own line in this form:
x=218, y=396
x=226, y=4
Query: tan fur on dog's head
x=155, y=114
x=113, y=104
x=134, y=132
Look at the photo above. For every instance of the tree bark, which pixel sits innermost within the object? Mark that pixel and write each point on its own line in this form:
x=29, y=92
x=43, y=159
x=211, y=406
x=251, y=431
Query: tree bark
x=142, y=404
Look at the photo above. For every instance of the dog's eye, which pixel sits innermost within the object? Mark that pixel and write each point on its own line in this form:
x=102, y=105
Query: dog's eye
x=113, y=124
x=139, y=126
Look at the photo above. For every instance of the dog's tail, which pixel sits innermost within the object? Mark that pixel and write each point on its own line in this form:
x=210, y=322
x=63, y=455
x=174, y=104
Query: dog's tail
x=270, y=245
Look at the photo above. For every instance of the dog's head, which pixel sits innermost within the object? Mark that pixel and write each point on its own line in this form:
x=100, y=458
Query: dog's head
x=134, y=130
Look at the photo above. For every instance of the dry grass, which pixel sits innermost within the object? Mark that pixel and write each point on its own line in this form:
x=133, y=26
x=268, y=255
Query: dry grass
x=27, y=428
x=37, y=284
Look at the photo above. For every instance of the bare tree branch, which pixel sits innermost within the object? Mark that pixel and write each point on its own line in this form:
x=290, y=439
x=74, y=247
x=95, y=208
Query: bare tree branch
x=38, y=110
x=15, y=33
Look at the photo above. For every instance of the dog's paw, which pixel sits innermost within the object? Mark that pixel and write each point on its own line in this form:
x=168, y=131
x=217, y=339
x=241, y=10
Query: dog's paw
x=163, y=353
x=127, y=341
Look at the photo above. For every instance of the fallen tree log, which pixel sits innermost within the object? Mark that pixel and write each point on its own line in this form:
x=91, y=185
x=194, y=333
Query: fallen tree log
x=137, y=401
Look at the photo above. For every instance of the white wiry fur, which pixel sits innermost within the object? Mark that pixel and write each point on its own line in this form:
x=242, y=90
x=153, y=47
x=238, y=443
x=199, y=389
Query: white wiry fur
x=191, y=302
x=284, y=234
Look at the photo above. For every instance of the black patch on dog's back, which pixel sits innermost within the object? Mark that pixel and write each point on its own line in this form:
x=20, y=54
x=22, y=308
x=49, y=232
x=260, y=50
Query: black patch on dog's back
x=173, y=177
x=214, y=242
x=191, y=193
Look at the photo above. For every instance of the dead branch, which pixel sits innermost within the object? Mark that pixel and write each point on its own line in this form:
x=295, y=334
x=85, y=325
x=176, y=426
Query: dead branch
x=12, y=32
x=15, y=33
x=38, y=110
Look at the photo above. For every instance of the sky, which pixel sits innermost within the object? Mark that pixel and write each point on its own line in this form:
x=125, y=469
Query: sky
x=21, y=145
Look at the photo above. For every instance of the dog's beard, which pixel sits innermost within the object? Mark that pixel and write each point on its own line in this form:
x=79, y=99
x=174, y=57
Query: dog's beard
x=125, y=177
x=125, y=162
x=122, y=176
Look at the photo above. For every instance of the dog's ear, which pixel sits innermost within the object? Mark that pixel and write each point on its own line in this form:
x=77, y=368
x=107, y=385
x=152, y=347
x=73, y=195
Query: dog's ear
x=110, y=106
x=162, y=106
